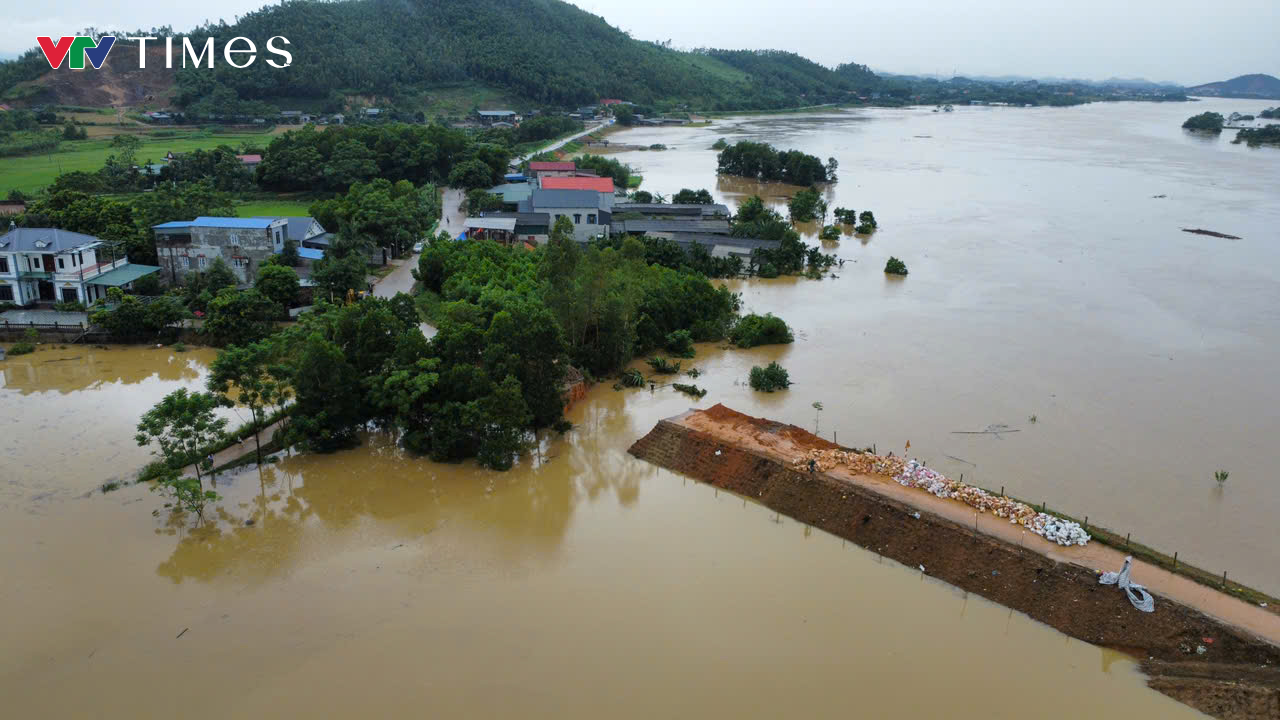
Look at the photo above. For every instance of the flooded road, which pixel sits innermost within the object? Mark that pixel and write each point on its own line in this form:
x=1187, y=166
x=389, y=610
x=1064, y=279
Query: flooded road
x=584, y=583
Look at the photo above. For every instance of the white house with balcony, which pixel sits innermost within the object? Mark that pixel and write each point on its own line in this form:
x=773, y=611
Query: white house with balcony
x=52, y=265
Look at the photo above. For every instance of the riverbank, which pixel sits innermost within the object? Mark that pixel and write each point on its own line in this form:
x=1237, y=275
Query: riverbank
x=1235, y=646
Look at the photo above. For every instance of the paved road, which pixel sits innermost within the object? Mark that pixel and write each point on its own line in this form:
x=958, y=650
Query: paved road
x=451, y=214
x=561, y=143
x=398, y=280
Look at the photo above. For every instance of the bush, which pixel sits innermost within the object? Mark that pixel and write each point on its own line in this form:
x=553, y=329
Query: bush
x=680, y=343
x=753, y=330
x=28, y=343
x=632, y=378
x=830, y=232
x=895, y=267
x=663, y=366
x=770, y=378
x=693, y=390
x=65, y=306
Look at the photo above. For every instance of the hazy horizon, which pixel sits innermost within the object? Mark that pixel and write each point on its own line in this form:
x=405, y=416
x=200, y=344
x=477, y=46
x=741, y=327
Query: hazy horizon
x=1087, y=40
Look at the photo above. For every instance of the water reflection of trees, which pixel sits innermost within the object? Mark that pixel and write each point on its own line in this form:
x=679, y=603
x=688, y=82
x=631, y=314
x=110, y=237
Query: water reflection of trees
x=70, y=368
x=267, y=523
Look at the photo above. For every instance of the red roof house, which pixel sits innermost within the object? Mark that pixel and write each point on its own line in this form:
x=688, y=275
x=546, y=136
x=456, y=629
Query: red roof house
x=545, y=166
x=610, y=101
x=599, y=184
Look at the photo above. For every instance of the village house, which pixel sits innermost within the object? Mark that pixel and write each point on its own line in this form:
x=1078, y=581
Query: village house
x=489, y=117
x=593, y=183
x=545, y=168
x=590, y=211
x=51, y=265
x=187, y=245
x=510, y=228
x=250, y=161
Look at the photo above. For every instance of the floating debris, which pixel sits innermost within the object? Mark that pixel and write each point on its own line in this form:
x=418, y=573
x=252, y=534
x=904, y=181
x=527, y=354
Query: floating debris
x=1210, y=233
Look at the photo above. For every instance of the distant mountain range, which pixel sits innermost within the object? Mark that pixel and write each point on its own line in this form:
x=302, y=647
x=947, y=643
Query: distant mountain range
x=1256, y=86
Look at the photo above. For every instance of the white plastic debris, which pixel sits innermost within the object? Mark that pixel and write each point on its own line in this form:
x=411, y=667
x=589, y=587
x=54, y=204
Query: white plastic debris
x=913, y=473
x=1138, y=594
x=717, y=452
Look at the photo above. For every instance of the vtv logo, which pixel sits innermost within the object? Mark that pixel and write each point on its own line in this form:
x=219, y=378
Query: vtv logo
x=79, y=48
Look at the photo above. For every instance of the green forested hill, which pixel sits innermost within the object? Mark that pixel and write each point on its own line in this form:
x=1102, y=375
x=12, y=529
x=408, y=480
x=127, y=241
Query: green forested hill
x=547, y=51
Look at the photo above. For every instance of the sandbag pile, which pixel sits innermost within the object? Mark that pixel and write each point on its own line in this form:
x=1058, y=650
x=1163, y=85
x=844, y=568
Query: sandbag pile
x=913, y=473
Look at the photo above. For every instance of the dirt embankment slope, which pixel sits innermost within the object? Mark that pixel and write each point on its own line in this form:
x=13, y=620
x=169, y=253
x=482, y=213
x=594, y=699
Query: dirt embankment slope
x=120, y=82
x=1237, y=675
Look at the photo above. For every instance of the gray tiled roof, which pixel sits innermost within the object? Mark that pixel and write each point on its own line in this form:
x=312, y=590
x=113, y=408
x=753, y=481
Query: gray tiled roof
x=43, y=240
x=690, y=225
x=543, y=199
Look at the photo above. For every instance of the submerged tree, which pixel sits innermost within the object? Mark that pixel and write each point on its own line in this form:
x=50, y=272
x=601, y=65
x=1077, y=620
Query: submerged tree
x=182, y=424
x=250, y=373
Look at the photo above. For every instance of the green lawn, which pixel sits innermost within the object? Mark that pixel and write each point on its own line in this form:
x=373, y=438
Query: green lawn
x=30, y=173
x=281, y=208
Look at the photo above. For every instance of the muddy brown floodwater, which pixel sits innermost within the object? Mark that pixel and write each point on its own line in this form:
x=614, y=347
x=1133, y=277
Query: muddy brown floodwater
x=586, y=583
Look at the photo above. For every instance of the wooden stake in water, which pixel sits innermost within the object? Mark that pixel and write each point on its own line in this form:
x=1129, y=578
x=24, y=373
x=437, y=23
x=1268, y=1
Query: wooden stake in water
x=1175, y=561
x=1224, y=578
x=1126, y=540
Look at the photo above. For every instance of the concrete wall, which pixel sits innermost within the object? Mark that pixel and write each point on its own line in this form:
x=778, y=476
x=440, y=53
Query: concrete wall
x=582, y=231
x=243, y=249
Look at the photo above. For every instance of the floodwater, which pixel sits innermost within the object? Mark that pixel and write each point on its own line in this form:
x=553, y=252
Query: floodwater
x=585, y=583
x=1049, y=277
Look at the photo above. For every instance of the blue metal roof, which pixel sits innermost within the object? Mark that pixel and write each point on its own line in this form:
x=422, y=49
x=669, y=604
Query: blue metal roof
x=310, y=253
x=219, y=222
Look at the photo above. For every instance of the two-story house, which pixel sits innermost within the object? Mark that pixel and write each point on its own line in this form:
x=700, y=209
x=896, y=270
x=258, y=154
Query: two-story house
x=52, y=265
x=591, y=212
x=187, y=245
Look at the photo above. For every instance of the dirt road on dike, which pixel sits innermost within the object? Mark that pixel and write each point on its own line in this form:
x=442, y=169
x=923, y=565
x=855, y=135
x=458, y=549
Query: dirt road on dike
x=1209, y=650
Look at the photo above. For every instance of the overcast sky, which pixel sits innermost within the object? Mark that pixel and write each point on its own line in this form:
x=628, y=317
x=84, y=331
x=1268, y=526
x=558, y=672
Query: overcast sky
x=1184, y=41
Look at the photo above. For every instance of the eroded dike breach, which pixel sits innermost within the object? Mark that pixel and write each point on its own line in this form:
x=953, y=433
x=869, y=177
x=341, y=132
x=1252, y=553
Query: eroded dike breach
x=1237, y=675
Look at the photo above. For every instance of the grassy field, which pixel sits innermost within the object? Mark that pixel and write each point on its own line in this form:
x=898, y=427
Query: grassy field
x=30, y=173
x=283, y=207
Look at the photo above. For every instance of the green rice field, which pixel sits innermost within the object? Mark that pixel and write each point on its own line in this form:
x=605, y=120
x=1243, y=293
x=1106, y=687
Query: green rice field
x=30, y=173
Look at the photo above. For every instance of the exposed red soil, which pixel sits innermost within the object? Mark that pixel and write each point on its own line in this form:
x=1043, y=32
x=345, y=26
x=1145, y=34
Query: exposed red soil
x=1238, y=676
x=118, y=83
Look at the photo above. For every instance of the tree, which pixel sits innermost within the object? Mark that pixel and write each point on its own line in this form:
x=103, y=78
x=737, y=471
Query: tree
x=752, y=330
x=250, y=372
x=806, y=205
x=1210, y=122
x=239, y=317
x=334, y=276
x=186, y=492
x=351, y=163
x=289, y=255
x=183, y=425
x=379, y=214
x=895, y=267
x=329, y=404
x=219, y=275
x=278, y=283
x=769, y=378
x=470, y=175
x=481, y=200
x=132, y=319
x=693, y=197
